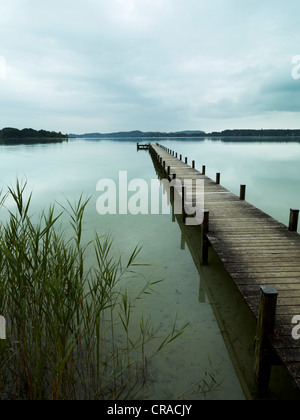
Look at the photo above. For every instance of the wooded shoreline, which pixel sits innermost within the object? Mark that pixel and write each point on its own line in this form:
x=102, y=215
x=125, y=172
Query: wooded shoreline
x=28, y=135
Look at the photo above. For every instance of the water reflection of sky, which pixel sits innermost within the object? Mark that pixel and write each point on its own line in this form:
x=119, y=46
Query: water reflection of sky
x=69, y=169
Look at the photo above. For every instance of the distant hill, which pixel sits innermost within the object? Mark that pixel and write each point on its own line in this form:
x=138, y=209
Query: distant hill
x=190, y=132
x=138, y=134
x=256, y=133
x=230, y=135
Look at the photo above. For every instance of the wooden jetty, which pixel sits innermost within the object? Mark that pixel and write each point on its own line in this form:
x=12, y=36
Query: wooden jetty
x=261, y=255
x=142, y=146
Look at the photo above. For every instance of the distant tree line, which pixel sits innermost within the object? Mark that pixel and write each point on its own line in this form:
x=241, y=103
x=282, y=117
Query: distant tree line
x=137, y=134
x=29, y=133
x=255, y=133
x=290, y=134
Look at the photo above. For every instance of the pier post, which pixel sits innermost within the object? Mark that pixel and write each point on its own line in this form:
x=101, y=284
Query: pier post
x=265, y=327
x=204, y=240
x=243, y=192
x=203, y=170
x=193, y=164
x=186, y=160
x=294, y=218
x=180, y=157
x=172, y=194
x=183, y=197
x=218, y=178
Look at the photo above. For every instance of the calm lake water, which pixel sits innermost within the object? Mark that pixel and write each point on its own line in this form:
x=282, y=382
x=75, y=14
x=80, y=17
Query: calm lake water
x=221, y=330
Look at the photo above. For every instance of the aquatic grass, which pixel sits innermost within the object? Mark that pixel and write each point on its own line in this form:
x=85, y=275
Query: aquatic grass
x=208, y=384
x=69, y=332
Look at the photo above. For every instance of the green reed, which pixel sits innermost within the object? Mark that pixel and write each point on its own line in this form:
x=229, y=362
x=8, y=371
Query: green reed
x=71, y=328
x=65, y=321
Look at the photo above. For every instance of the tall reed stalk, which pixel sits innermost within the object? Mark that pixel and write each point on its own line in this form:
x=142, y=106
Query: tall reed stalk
x=65, y=321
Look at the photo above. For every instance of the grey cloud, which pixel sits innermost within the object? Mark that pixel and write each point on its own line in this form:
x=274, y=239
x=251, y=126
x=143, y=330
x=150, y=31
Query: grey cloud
x=159, y=64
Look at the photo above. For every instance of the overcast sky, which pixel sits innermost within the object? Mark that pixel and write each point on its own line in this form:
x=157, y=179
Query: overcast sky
x=166, y=65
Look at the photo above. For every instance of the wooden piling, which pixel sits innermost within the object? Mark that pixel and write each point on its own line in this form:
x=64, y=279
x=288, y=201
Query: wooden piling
x=218, y=178
x=265, y=327
x=204, y=240
x=206, y=221
x=203, y=170
x=193, y=164
x=172, y=194
x=243, y=192
x=183, y=197
x=294, y=218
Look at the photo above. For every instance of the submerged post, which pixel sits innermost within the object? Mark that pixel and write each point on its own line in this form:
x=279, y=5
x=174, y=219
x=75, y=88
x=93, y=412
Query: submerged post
x=204, y=240
x=294, y=218
x=265, y=327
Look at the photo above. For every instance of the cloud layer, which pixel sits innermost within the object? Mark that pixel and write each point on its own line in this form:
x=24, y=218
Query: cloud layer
x=109, y=65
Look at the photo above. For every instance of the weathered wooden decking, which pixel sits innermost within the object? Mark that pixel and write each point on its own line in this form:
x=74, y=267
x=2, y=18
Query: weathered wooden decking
x=255, y=249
